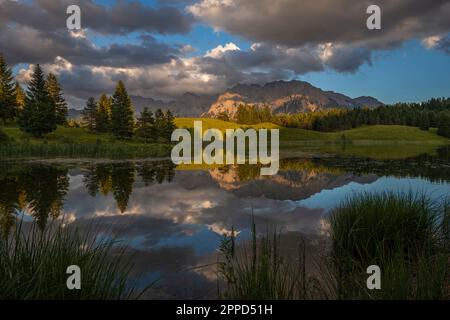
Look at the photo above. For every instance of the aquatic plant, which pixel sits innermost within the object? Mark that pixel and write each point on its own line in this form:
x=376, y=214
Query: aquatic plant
x=33, y=264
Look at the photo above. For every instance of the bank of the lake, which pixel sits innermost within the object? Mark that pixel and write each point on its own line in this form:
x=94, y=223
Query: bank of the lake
x=77, y=142
x=377, y=142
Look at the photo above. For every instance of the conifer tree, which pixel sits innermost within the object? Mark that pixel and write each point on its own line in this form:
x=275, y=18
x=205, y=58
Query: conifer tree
x=103, y=118
x=20, y=97
x=89, y=114
x=7, y=94
x=160, y=123
x=146, y=125
x=38, y=115
x=54, y=89
x=122, y=115
x=169, y=125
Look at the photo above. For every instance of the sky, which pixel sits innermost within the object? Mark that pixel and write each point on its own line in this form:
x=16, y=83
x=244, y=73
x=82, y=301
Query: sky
x=164, y=48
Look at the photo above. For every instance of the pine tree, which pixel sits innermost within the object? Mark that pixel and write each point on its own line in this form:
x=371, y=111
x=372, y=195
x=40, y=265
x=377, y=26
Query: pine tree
x=103, y=118
x=160, y=124
x=146, y=125
x=7, y=96
x=169, y=125
x=38, y=115
x=89, y=114
x=20, y=97
x=54, y=89
x=122, y=115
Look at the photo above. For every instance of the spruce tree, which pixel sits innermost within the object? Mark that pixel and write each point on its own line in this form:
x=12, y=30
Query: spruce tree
x=38, y=115
x=7, y=94
x=169, y=125
x=122, y=115
x=54, y=89
x=103, y=118
x=20, y=97
x=146, y=125
x=160, y=124
x=89, y=114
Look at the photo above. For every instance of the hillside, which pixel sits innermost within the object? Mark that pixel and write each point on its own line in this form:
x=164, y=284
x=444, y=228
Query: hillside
x=366, y=133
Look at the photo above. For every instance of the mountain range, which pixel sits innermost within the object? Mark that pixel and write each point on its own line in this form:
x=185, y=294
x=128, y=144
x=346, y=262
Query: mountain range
x=281, y=96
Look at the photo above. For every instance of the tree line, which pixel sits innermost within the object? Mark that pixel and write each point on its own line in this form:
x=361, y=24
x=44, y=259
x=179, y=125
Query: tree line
x=42, y=107
x=434, y=113
x=116, y=115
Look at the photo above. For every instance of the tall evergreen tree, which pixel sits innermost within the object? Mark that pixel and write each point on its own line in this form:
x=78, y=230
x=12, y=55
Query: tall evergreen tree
x=122, y=115
x=54, y=89
x=160, y=123
x=20, y=97
x=7, y=94
x=169, y=125
x=103, y=119
x=89, y=114
x=38, y=115
x=146, y=125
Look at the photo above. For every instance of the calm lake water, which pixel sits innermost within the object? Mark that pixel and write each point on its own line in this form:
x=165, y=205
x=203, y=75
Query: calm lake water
x=174, y=218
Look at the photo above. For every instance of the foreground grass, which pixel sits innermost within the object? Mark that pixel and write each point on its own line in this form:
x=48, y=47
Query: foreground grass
x=407, y=236
x=77, y=142
x=33, y=265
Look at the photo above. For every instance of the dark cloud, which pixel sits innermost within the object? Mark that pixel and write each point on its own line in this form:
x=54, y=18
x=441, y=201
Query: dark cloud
x=26, y=45
x=121, y=18
x=295, y=23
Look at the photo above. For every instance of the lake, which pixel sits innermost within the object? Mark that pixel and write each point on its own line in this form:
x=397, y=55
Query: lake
x=173, y=218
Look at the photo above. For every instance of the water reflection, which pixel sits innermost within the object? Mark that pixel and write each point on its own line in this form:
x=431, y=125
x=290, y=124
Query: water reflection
x=173, y=218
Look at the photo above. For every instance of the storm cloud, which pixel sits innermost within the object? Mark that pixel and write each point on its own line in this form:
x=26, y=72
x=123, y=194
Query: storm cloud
x=295, y=23
x=286, y=39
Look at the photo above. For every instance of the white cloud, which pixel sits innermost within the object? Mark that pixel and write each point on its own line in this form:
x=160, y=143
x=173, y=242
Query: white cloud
x=219, y=51
x=431, y=42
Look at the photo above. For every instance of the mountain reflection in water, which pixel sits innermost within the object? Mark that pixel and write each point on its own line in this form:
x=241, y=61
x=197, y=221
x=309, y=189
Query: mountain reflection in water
x=173, y=218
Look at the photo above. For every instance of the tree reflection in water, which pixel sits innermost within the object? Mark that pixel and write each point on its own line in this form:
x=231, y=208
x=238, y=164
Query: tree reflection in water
x=40, y=189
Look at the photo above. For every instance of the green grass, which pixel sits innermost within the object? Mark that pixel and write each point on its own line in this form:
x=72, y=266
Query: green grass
x=378, y=142
x=259, y=272
x=33, y=265
x=209, y=123
x=366, y=133
x=406, y=235
x=77, y=142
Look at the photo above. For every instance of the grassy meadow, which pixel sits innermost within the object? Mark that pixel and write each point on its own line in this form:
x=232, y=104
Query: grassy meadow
x=377, y=142
x=77, y=142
